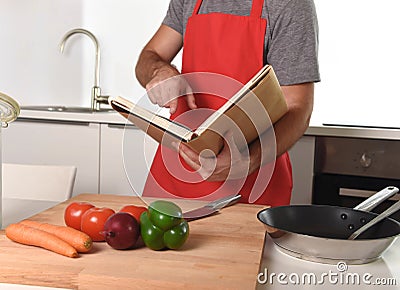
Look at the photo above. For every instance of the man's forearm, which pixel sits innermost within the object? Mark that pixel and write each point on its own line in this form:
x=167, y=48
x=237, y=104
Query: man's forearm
x=149, y=62
x=157, y=54
x=289, y=130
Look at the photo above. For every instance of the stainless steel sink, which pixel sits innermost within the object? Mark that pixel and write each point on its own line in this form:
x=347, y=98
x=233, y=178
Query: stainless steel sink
x=66, y=109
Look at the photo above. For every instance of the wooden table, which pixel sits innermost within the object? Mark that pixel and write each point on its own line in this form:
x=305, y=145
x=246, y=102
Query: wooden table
x=223, y=251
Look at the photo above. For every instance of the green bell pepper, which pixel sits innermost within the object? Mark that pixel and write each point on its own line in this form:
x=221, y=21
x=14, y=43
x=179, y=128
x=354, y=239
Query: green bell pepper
x=163, y=226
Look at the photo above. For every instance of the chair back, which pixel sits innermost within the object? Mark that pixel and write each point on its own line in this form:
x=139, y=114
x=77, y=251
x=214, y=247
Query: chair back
x=38, y=182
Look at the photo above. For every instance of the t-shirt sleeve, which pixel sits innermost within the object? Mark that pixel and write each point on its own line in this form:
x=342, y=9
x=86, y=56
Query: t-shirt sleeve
x=293, y=51
x=174, y=17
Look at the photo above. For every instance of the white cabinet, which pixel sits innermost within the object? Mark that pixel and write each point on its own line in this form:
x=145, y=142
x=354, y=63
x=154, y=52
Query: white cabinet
x=125, y=159
x=109, y=158
x=302, y=157
x=56, y=143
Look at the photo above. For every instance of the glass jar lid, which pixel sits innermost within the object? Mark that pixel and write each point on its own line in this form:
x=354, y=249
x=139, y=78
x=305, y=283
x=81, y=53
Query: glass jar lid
x=9, y=109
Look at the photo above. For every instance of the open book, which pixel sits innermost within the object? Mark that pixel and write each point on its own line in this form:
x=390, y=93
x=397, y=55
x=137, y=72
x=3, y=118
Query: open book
x=247, y=114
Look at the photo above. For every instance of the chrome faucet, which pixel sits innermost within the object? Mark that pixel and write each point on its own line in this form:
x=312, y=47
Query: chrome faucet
x=97, y=98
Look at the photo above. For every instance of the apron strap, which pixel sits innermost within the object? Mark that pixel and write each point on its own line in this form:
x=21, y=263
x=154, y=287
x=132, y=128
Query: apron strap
x=197, y=7
x=256, y=8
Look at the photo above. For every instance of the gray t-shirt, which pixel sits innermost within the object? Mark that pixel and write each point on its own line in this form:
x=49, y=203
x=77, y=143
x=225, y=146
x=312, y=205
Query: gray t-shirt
x=291, y=40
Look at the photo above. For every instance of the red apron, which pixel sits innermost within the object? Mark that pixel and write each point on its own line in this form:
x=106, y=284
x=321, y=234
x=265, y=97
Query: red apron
x=233, y=46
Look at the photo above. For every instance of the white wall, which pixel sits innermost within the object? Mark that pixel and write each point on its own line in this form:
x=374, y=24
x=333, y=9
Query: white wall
x=123, y=28
x=33, y=71
x=359, y=62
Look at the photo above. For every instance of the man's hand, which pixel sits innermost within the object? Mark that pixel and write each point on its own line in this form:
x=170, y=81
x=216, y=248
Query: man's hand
x=230, y=163
x=155, y=72
x=166, y=86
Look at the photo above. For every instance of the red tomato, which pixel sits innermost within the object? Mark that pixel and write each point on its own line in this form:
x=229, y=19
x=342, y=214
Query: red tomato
x=73, y=213
x=93, y=221
x=134, y=210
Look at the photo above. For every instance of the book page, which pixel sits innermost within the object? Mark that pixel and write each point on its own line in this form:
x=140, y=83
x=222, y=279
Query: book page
x=169, y=126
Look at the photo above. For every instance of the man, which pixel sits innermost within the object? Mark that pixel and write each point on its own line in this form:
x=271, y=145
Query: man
x=233, y=38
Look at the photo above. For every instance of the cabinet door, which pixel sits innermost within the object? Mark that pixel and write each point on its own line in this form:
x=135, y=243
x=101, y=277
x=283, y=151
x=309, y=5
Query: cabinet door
x=56, y=143
x=125, y=159
x=302, y=157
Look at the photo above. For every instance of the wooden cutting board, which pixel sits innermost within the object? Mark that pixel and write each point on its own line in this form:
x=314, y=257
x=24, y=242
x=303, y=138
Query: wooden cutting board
x=222, y=251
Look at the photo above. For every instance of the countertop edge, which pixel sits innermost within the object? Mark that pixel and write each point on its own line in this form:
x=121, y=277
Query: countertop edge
x=353, y=132
x=115, y=118
x=95, y=117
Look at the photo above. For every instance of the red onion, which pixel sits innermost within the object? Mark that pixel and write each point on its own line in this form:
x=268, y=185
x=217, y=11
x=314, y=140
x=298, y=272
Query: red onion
x=121, y=231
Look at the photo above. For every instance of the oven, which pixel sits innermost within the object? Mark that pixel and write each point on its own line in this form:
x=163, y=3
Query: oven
x=349, y=170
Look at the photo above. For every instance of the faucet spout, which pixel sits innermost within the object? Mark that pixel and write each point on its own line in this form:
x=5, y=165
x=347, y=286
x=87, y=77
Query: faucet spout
x=96, y=45
x=97, y=98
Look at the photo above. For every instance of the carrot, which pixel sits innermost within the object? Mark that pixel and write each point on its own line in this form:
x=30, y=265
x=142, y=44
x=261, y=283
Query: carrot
x=79, y=240
x=34, y=237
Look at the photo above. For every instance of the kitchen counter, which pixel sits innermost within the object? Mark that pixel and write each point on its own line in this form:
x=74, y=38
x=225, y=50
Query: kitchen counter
x=222, y=251
x=228, y=250
x=383, y=273
x=315, y=129
x=353, y=132
x=94, y=117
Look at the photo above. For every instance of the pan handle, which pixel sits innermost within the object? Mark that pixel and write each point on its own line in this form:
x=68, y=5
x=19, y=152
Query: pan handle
x=376, y=199
x=391, y=210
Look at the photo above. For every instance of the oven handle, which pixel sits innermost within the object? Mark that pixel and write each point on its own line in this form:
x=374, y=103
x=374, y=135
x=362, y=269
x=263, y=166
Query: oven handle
x=351, y=192
x=374, y=199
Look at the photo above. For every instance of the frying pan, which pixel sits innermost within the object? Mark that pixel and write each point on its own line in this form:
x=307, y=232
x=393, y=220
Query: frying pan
x=320, y=233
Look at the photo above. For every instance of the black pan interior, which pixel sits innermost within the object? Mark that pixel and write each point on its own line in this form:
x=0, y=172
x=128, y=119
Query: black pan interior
x=326, y=221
